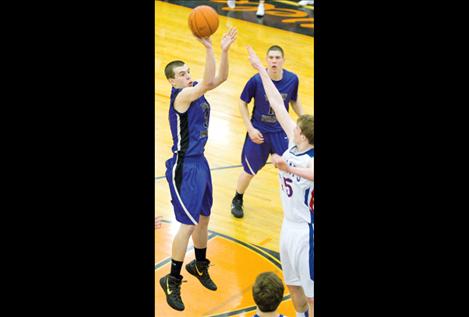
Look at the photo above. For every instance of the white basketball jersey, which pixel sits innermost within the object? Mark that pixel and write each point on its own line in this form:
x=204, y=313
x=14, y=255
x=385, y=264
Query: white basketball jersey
x=297, y=193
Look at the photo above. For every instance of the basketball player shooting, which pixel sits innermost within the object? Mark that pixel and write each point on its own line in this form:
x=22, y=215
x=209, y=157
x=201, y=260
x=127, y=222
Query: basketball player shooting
x=188, y=172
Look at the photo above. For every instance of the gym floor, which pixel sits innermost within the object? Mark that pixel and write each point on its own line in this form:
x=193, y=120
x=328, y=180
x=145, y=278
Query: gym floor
x=240, y=249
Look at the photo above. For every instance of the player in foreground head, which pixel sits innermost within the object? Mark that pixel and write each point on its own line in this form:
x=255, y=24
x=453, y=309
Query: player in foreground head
x=267, y=292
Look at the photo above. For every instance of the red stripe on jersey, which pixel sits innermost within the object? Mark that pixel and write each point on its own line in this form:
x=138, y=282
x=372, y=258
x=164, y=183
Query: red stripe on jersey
x=311, y=202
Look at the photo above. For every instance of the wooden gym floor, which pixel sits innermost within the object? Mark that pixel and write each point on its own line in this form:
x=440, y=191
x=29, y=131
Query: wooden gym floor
x=240, y=249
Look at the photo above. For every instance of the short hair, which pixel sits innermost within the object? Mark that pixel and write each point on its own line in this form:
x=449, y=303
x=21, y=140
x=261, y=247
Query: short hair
x=268, y=291
x=306, y=125
x=169, y=69
x=275, y=48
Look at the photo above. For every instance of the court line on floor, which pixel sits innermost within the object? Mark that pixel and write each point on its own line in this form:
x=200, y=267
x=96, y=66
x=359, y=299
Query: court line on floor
x=244, y=309
x=255, y=249
x=251, y=247
x=215, y=169
x=189, y=249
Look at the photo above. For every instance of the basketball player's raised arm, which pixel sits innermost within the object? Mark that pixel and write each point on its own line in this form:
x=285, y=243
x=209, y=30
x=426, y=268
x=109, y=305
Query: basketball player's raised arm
x=226, y=41
x=189, y=94
x=275, y=99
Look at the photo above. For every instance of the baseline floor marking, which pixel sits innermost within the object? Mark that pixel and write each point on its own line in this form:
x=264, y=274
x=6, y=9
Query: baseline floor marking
x=168, y=259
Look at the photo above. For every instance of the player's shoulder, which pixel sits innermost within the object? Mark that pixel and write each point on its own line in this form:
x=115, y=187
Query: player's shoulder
x=254, y=80
x=290, y=74
x=174, y=93
x=256, y=77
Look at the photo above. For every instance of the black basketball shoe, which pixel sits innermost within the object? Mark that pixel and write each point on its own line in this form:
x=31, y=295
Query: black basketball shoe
x=172, y=288
x=200, y=270
x=237, y=208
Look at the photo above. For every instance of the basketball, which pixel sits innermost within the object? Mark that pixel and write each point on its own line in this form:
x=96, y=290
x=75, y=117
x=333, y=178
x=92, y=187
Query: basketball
x=203, y=21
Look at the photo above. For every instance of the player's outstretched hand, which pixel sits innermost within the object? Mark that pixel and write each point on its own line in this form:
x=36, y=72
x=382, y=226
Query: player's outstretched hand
x=228, y=38
x=253, y=59
x=206, y=41
x=279, y=162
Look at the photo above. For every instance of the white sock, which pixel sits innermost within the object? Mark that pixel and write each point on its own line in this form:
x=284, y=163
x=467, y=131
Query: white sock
x=260, y=9
x=305, y=314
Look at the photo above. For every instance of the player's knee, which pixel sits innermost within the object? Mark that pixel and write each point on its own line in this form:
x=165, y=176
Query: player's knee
x=295, y=290
x=186, y=229
x=203, y=221
x=298, y=298
x=248, y=175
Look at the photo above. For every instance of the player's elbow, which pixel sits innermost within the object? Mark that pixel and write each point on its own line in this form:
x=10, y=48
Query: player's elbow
x=208, y=85
x=219, y=80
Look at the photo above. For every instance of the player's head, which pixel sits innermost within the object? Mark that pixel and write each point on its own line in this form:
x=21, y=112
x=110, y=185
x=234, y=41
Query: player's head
x=275, y=58
x=267, y=291
x=178, y=74
x=304, y=130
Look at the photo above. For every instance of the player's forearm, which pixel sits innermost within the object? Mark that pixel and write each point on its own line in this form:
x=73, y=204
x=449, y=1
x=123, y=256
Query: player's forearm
x=209, y=72
x=223, y=70
x=305, y=172
x=243, y=110
x=297, y=107
x=276, y=101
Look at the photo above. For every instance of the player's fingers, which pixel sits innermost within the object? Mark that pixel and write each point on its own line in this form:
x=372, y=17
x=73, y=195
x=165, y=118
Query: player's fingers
x=233, y=31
